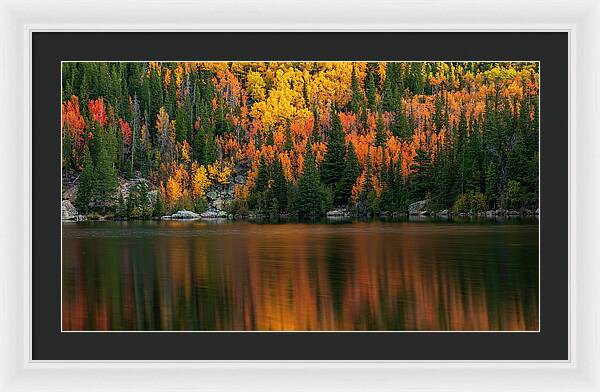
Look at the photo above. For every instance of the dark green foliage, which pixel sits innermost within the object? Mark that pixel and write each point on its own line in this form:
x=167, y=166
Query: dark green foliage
x=106, y=180
x=370, y=90
x=309, y=202
x=332, y=166
x=86, y=186
x=381, y=134
x=421, y=177
x=343, y=190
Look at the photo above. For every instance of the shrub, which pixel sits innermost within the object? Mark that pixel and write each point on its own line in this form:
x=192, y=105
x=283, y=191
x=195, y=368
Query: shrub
x=461, y=204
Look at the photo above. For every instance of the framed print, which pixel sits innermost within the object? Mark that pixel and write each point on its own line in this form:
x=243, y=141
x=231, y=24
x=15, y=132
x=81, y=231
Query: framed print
x=368, y=204
x=241, y=204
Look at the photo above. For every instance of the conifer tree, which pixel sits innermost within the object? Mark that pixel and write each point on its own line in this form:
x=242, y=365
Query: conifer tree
x=370, y=90
x=343, y=190
x=86, y=183
x=333, y=162
x=106, y=181
x=280, y=186
x=380, y=133
x=309, y=194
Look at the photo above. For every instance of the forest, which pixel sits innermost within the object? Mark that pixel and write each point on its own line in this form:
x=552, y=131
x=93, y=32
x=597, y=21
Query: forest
x=145, y=139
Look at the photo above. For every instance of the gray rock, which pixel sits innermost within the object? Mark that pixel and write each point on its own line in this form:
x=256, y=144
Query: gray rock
x=69, y=212
x=218, y=204
x=213, y=214
x=417, y=207
x=183, y=215
x=337, y=213
x=212, y=195
x=443, y=213
x=152, y=195
x=239, y=179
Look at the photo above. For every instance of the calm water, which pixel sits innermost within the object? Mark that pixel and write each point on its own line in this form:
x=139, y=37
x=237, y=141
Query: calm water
x=353, y=276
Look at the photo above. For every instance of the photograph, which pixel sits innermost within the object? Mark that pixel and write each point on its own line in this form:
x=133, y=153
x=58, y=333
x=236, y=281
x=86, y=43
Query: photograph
x=300, y=196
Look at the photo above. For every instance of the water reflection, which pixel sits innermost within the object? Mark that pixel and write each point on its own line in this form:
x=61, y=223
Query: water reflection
x=290, y=277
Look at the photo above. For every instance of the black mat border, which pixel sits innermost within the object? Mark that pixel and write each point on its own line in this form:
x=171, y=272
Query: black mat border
x=50, y=48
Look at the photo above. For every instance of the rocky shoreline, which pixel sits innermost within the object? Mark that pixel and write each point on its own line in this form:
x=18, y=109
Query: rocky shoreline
x=417, y=209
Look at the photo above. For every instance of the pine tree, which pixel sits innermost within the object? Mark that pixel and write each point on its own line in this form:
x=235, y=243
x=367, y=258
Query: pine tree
x=86, y=183
x=343, y=190
x=370, y=90
x=357, y=95
x=159, y=209
x=279, y=187
x=421, y=177
x=155, y=100
x=199, y=147
x=333, y=162
x=380, y=133
x=105, y=175
x=263, y=175
x=309, y=194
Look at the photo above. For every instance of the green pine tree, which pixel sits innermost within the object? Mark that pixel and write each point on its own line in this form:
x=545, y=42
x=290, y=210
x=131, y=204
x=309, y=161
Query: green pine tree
x=86, y=183
x=343, y=190
x=309, y=203
x=333, y=162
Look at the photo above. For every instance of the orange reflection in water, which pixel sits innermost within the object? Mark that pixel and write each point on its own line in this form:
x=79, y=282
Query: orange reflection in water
x=297, y=277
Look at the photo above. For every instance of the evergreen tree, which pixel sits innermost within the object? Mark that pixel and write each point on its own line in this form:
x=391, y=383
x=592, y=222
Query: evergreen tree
x=380, y=133
x=280, y=187
x=309, y=194
x=421, y=184
x=357, y=95
x=333, y=162
x=343, y=190
x=370, y=90
x=105, y=175
x=86, y=186
x=263, y=175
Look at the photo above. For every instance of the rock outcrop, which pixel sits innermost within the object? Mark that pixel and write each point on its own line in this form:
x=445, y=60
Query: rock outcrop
x=182, y=215
x=69, y=212
x=417, y=208
x=341, y=213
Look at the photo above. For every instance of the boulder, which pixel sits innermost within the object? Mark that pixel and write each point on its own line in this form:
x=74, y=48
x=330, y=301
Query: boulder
x=417, y=207
x=152, y=195
x=337, y=213
x=443, y=213
x=213, y=214
x=218, y=203
x=69, y=212
x=183, y=215
x=212, y=195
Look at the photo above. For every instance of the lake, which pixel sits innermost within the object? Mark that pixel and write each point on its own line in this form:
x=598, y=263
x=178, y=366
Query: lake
x=405, y=275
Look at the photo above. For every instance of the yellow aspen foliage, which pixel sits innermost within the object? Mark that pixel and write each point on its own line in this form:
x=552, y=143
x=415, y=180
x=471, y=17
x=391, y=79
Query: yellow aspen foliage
x=200, y=180
x=185, y=151
x=162, y=120
x=219, y=172
x=358, y=186
x=256, y=86
x=241, y=192
x=174, y=191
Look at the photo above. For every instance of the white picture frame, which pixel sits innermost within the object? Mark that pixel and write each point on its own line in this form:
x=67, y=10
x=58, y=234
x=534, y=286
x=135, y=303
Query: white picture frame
x=18, y=19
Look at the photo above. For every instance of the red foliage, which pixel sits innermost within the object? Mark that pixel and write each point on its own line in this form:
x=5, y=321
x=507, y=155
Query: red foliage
x=98, y=110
